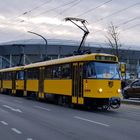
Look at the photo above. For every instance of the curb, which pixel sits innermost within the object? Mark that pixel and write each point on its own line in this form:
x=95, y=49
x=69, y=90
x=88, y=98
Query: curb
x=132, y=102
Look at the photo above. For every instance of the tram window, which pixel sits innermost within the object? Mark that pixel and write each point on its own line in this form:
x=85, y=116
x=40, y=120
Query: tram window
x=56, y=72
x=89, y=70
x=48, y=72
x=7, y=76
x=33, y=74
x=107, y=70
x=0, y=76
x=20, y=75
x=66, y=71
x=3, y=76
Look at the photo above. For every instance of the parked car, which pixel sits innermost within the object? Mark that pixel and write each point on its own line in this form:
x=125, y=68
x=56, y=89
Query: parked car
x=132, y=90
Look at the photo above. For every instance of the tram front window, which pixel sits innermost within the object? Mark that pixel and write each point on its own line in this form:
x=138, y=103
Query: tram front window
x=102, y=70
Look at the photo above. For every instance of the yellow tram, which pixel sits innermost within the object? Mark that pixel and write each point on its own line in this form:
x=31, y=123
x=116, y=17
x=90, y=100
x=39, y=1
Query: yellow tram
x=89, y=79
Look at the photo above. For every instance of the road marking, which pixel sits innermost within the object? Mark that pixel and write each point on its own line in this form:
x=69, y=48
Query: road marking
x=29, y=139
x=42, y=108
x=13, y=109
x=83, y=119
x=4, y=123
x=16, y=131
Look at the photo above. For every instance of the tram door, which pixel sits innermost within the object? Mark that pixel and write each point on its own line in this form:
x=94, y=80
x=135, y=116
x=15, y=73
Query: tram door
x=41, y=82
x=77, y=83
x=13, y=76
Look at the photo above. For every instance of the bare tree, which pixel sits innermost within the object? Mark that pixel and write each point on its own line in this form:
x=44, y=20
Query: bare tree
x=113, y=39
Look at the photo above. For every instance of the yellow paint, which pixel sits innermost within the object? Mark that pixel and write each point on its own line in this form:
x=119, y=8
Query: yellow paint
x=0, y=84
x=74, y=100
x=41, y=95
x=7, y=84
x=63, y=87
x=80, y=101
x=91, y=88
x=19, y=84
x=123, y=68
x=32, y=85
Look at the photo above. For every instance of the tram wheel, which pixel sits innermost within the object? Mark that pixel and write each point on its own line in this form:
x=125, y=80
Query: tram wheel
x=105, y=107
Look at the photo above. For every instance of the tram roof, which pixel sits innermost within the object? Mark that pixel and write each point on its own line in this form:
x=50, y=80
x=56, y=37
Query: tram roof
x=77, y=58
x=12, y=69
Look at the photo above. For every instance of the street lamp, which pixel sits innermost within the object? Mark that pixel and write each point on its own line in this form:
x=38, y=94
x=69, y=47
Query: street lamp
x=43, y=39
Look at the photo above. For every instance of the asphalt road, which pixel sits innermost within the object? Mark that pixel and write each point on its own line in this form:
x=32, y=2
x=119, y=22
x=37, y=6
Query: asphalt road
x=23, y=119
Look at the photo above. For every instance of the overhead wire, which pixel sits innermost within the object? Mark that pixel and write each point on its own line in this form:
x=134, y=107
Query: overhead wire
x=57, y=7
x=66, y=4
x=31, y=10
x=60, y=14
x=119, y=11
x=37, y=7
x=128, y=21
x=73, y=3
x=94, y=8
x=134, y=26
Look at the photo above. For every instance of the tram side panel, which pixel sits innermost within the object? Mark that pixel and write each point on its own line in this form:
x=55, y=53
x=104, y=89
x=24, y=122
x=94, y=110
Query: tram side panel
x=62, y=87
x=31, y=81
x=32, y=85
x=57, y=80
x=7, y=82
x=19, y=85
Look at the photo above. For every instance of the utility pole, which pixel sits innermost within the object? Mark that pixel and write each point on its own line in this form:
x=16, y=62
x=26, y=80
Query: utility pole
x=22, y=55
x=10, y=60
x=0, y=62
x=46, y=43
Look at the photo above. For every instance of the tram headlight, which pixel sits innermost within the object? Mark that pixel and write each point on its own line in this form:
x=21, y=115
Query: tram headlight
x=100, y=90
x=119, y=90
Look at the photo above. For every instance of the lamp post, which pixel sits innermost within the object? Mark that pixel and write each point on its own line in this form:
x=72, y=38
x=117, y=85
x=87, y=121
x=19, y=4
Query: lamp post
x=43, y=39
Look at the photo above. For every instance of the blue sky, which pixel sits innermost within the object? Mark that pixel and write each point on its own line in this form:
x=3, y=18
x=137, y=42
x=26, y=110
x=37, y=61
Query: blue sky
x=46, y=17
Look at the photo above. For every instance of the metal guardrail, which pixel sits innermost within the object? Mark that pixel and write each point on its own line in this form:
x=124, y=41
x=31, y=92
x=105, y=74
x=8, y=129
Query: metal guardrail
x=131, y=101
